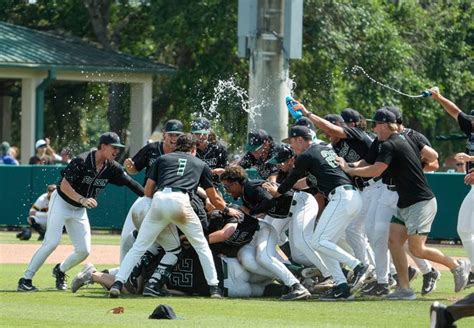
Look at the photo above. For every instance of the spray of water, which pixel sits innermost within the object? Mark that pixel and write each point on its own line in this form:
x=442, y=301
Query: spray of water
x=357, y=68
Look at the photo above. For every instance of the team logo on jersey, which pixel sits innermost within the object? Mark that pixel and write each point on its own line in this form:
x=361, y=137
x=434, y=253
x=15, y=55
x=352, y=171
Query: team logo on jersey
x=211, y=161
x=182, y=165
x=182, y=274
x=96, y=183
x=350, y=155
x=330, y=157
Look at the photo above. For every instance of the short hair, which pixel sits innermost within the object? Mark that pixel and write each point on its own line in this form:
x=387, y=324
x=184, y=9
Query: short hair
x=185, y=143
x=393, y=126
x=234, y=173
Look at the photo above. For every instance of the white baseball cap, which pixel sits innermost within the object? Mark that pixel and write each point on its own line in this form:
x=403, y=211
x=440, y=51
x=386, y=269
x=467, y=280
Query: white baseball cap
x=40, y=143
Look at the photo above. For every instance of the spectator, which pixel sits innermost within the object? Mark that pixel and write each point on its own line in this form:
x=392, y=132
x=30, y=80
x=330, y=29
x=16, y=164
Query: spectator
x=15, y=152
x=5, y=157
x=40, y=157
x=66, y=156
x=452, y=165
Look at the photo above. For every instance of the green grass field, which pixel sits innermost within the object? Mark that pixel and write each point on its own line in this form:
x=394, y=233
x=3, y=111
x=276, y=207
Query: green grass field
x=89, y=306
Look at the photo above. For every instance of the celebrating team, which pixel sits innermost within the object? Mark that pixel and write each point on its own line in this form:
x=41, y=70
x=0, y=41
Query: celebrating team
x=324, y=218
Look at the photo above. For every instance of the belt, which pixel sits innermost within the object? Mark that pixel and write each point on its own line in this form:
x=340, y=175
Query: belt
x=391, y=187
x=172, y=189
x=345, y=187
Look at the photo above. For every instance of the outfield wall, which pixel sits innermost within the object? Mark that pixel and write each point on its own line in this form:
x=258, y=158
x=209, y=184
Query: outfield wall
x=21, y=185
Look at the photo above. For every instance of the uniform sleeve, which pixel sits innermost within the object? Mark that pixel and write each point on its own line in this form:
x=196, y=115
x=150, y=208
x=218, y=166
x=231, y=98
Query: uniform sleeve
x=120, y=178
x=301, y=167
x=222, y=160
x=247, y=161
x=372, y=153
x=465, y=123
x=74, y=171
x=141, y=158
x=386, y=153
x=153, y=172
x=266, y=201
x=354, y=133
x=205, y=181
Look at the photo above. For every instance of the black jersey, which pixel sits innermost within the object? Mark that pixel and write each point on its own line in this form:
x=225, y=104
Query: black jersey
x=355, y=146
x=188, y=276
x=181, y=171
x=243, y=234
x=215, y=156
x=404, y=167
x=264, y=169
x=82, y=175
x=319, y=162
x=147, y=156
x=258, y=200
x=465, y=123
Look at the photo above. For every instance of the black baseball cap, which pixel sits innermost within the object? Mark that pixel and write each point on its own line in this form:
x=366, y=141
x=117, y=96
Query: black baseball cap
x=298, y=131
x=397, y=112
x=200, y=125
x=281, y=154
x=110, y=138
x=173, y=126
x=163, y=311
x=350, y=115
x=383, y=115
x=334, y=118
x=304, y=121
x=256, y=138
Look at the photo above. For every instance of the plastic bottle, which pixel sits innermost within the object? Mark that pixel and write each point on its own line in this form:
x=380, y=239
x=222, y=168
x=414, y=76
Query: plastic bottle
x=296, y=114
x=426, y=93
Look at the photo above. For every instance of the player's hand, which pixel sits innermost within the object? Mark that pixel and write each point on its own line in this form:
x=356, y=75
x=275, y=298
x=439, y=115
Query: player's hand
x=129, y=164
x=232, y=212
x=272, y=188
x=435, y=93
x=342, y=163
x=299, y=106
x=89, y=202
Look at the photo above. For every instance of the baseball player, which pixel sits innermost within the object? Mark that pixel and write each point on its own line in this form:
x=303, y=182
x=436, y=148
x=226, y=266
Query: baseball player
x=351, y=142
x=260, y=147
x=175, y=176
x=466, y=212
x=214, y=153
x=344, y=204
x=416, y=206
x=144, y=159
x=77, y=190
x=38, y=214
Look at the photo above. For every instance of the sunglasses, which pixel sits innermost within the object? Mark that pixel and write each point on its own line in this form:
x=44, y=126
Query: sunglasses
x=459, y=164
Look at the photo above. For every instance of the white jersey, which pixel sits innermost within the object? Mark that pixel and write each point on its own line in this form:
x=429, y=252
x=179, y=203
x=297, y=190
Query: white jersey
x=42, y=203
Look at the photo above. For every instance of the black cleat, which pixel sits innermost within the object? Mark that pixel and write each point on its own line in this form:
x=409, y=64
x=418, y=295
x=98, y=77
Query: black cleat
x=429, y=281
x=26, y=285
x=470, y=280
x=439, y=316
x=60, y=278
x=115, y=289
x=154, y=288
x=360, y=274
x=215, y=292
x=340, y=292
x=378, y=290
x=296, y=292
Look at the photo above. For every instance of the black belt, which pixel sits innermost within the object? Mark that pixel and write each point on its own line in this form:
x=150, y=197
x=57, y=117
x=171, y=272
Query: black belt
x=391, y=187
x=346, y=187
x=173, y=189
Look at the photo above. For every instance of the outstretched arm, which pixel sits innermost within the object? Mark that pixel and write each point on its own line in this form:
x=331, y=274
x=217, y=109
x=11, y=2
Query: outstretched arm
x=447, y=104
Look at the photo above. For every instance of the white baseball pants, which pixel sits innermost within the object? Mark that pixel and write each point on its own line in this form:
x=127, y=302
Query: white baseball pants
x=344, y=205
x=170, y=207
x=466, y=225
x=78, y=228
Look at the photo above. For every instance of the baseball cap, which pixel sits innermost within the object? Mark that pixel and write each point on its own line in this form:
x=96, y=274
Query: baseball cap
x=40, y=143
x=163, y=311
x=383, y=115
x=282, y=153
x=256, y=138
x=298, y=131
x=396, y=111
x=304, y=121
x=173, y=126
x=110, y=138
x=4, y=148
x=350, y=115
x=200, y=125
x=334, y=118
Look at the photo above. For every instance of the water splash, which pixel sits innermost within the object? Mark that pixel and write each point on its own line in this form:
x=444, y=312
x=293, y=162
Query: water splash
x=357, y=68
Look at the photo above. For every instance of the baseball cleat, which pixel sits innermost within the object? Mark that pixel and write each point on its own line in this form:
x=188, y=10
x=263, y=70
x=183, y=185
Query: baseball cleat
x=296, y=292
x=322, y=286
x=26, y=285
x=360, y=274
x=412, y=273
x=470, y=280
x=154, y=288
x=215, y=292
x=83, y=278
x=438, y=316
x=115, y=289
x=429, y=281
x=60, y=278
x=378, y=290
x=460, y=275
x=340, y=292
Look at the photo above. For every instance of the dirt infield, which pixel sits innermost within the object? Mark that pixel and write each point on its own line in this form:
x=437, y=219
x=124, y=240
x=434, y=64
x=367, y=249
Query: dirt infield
x=17, y=253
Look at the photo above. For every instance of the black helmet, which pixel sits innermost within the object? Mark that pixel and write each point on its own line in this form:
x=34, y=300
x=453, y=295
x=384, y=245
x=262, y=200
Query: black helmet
x=24, y=234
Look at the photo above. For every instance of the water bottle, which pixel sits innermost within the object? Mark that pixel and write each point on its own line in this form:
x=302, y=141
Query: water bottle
x=296, y=114
x=426, y=93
